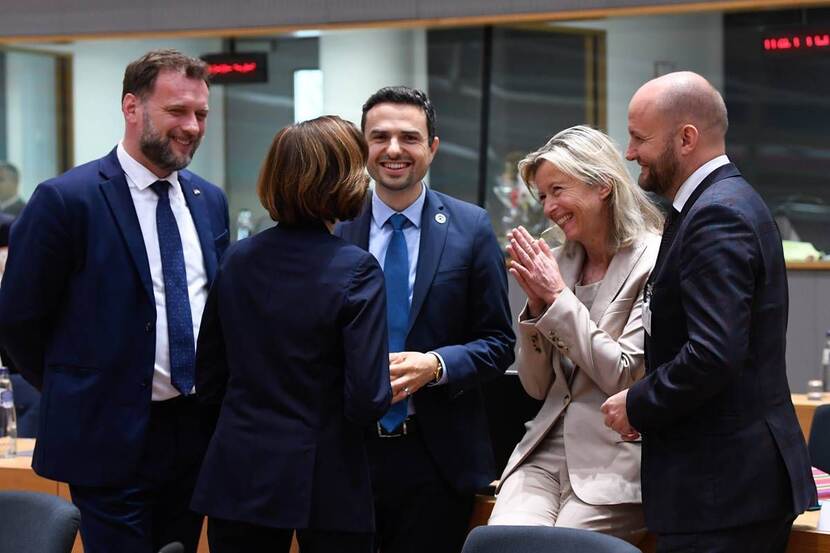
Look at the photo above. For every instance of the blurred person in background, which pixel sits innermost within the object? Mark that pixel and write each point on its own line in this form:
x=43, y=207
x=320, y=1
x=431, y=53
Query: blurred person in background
x=10, y=201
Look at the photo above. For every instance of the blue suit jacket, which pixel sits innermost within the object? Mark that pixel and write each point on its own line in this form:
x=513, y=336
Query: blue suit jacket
x=293, y=344
x=77, y=315
x=460, y=310
x=721, y=443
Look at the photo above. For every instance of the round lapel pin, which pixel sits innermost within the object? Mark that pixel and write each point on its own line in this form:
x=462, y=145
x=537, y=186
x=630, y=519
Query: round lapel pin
x=440, y=218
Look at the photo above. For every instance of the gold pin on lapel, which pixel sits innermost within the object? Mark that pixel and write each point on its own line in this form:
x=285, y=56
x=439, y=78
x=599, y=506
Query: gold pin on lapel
x=440, y=218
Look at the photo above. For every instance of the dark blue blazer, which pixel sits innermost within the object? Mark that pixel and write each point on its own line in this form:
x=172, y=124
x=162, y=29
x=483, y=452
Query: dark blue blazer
x=77, y=315
x=293, y=345
x=721, y=443
x=460, y=310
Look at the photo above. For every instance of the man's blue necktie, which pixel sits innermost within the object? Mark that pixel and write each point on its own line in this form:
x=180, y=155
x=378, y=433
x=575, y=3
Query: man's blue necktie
x=396, y=274
x=177, y=301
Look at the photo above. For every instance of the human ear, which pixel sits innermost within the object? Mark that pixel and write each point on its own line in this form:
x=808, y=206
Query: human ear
x=689, y=136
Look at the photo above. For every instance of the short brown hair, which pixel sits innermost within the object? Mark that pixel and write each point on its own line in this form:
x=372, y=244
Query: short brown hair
x=315, y=171
x=140, y=76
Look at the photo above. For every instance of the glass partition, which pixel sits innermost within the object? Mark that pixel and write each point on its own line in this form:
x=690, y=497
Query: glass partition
x=499, y=91
x=35, y=121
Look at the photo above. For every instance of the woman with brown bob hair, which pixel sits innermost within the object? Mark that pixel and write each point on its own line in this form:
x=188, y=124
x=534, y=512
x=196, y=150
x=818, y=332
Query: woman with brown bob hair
x=293, y=349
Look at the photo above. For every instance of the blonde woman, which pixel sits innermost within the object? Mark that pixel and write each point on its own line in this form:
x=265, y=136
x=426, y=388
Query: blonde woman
x=581, y=338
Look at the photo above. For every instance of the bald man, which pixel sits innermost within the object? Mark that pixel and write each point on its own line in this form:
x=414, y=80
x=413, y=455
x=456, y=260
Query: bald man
x=725, y=467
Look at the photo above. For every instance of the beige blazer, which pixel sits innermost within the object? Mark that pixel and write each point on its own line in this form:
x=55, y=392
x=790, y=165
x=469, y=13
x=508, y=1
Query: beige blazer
x=606, y=346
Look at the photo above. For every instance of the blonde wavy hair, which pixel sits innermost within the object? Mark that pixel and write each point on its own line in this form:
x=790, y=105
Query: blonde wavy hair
x=591, y=157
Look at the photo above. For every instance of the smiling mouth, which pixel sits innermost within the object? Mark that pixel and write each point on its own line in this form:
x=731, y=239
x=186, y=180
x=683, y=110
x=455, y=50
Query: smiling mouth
x=562, y=220
x=395, y=165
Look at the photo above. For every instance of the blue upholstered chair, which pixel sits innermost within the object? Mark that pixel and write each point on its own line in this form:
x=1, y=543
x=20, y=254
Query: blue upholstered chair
x=36, y=523
x=542, y=539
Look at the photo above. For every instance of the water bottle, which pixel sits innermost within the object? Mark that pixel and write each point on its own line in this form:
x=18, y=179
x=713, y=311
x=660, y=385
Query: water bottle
x=825, y=362
x=8, y=416
x=244, y=224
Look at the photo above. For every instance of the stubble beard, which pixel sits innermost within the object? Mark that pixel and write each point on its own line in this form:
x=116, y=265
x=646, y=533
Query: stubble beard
x=661, y=173
x=156, y=148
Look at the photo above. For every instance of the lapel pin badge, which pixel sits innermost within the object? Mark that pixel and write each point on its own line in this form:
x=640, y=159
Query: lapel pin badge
x=196, y=191
x=440, y=218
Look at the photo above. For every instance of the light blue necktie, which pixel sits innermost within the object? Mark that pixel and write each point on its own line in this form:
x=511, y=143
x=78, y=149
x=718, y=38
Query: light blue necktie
x=396, y=274
x=176, y=299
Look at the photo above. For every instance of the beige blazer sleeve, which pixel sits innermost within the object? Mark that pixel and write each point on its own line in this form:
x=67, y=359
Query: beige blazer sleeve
x=534, y=360
x=613, y=363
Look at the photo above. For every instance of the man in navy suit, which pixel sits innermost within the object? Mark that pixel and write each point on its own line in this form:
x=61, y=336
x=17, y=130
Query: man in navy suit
x=455, y=328
x=100, y=307
x=725, y=467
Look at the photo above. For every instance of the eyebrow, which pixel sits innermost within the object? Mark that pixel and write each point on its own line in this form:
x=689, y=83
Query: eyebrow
x=413, y=132
x=170, y=107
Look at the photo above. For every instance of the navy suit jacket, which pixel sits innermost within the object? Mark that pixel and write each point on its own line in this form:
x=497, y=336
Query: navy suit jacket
x=460, y=310
x=721, y=443
x=293, y=344
x=77, y=315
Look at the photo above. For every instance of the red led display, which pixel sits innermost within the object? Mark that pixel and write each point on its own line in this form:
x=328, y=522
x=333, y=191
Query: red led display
x=237, y=68
x=799, y=41
x=229, y=68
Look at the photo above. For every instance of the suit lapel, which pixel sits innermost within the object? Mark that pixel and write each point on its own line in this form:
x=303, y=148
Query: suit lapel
x=570, y=263
x=618, y=271
x=722, y=172
x=433, y=238
x=356, y=231
x=117, y=194
x=198, y=210
x=570, y=260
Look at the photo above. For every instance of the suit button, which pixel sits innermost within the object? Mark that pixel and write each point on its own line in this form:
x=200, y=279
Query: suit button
x=148, y=327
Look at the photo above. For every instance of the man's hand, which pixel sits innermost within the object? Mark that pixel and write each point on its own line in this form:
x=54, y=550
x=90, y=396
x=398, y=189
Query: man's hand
x=410, y=371
x=616, y=417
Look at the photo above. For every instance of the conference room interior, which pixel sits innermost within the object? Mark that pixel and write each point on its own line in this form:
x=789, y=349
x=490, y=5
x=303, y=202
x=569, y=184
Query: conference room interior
x=500, y=91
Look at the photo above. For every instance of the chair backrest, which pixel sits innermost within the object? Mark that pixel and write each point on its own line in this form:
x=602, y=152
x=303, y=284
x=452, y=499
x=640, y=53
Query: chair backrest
x=819, y=444
x=36, y=523
x=542, y=539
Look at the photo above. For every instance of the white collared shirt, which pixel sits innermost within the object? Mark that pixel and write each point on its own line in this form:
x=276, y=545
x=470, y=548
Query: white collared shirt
x=139, y=179
x=694, y=180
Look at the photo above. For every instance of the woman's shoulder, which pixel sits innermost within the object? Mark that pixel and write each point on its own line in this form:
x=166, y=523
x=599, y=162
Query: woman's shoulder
x=649, y=243
x=351, y=256
x=650, y=239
